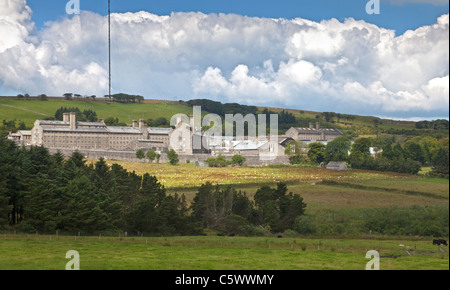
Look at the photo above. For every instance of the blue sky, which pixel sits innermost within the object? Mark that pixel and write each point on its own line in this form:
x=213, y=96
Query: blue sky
x=395, y=14
x=323, y=55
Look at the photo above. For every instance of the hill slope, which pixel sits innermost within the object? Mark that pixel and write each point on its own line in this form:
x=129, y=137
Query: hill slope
x=32, y=109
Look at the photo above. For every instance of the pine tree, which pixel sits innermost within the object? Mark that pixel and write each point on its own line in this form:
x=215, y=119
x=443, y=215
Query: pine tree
x=41, y=205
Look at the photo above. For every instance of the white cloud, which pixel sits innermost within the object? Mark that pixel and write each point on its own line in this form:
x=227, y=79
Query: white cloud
x=350, y=66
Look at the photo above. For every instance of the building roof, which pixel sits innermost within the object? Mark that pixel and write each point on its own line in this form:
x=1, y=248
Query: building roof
x=24, y=132
x=78, y=130
x=65, y=123
x=326, y=131
x=249, y=145
x=159, y=131
x=123, y=130
x=337, y=165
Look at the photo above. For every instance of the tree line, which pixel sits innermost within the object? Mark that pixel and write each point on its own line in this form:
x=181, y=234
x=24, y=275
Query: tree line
x=381, y=154
x=46, y=192
x=85, y=115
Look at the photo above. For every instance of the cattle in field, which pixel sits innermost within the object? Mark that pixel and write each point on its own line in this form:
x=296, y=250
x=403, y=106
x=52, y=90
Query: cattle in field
x=440, y=242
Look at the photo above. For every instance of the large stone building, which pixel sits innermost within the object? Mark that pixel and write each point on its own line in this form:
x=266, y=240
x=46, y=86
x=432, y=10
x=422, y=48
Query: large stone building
x=187, y=140
x=313, y=134
x=71, y=134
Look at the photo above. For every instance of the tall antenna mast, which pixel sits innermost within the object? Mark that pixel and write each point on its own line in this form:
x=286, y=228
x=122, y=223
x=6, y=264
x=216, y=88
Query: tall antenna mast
x=109, y=45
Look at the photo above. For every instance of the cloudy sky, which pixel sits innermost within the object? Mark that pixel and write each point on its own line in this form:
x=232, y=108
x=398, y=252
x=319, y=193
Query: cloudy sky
x=323, y=55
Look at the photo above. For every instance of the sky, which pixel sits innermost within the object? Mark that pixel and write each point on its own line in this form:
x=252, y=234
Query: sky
x=323, y=55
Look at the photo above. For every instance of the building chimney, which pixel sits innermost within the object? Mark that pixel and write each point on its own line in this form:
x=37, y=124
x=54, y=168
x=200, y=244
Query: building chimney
x=66, y=117
x=135, y=124
x=318, y=125
x=101, y=120
x=141, y=124
x=73, y=121
x=311, y=126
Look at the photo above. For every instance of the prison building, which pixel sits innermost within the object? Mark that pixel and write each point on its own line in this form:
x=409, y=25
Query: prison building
x=313, y=134
x=71, y=134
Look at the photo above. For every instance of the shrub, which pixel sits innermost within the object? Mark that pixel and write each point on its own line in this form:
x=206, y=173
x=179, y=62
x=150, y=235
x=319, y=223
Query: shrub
x=305, y=225
x=238, y=160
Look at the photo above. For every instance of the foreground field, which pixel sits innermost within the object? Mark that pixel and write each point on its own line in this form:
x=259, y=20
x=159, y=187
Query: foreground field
x=216, y=253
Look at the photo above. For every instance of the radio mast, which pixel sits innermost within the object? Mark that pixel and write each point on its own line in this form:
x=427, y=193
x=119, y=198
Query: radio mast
x=109, y=45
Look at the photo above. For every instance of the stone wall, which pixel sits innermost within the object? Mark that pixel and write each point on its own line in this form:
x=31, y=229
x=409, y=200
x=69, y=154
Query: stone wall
x=130, y=156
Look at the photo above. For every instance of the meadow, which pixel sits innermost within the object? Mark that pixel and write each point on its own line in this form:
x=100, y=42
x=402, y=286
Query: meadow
x=320, y=188
x=36, y=252
x=29, y=111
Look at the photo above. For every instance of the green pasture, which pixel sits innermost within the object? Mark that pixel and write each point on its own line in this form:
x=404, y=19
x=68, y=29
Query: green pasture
x=36, y=252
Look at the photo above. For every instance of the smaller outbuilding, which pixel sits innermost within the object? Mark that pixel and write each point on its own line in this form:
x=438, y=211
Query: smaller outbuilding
x=339, y=166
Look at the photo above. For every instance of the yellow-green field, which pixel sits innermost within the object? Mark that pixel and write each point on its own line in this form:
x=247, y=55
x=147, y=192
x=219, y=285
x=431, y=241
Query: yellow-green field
x=373, y=189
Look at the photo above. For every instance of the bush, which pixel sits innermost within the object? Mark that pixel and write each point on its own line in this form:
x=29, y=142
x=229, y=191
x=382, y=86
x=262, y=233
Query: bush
x=238, y=160
x=173, y=157
x=220, y=161
x=253, y=231
x=305, y=225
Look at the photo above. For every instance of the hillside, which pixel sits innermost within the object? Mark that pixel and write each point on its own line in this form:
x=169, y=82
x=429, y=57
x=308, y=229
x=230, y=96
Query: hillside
x=31, y=109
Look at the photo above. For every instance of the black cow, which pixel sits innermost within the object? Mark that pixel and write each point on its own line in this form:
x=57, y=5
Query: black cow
x=440, y=242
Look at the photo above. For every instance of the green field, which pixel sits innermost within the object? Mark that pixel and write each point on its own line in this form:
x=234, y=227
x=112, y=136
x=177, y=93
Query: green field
x=216, y=253
x=29, y=111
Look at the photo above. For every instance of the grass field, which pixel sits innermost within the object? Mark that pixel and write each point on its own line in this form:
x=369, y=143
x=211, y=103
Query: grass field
x=29, y=111
x=36, y=252
x=351, y=189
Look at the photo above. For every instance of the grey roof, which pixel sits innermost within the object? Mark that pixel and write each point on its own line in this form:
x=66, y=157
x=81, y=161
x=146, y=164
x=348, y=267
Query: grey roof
x=123, y=130
x=318, y=131
x=159, y=131
x=49, y=122
x=62, y=123
x=249, y=145
x=24, y=132
x=337, y=165
x=78, y=130
x=103, y=129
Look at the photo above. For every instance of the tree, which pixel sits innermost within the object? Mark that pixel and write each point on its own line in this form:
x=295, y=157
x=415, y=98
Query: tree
x=43, y=97
x=361, y=145
x=337, y=150
x=151, y=155
x=161, y=122
x=415, y=152
x=277, y=209
x=173, y=157
x=238, y=160
x=81, y=209
x=140, y=154
x=68, y=96
x=316, y=153
x=441, y=162
x=41, y=204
